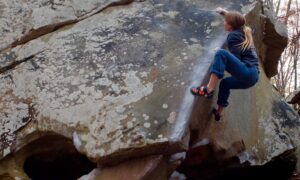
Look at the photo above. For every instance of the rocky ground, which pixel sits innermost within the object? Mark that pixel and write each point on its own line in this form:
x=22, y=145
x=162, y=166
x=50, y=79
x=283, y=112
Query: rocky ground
x=296, y=176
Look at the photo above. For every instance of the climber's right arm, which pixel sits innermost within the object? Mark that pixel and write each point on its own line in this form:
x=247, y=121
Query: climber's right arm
x=221, y=11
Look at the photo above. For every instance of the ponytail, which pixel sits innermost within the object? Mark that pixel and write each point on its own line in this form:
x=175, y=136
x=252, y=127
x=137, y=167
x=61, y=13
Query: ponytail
x=248, y=42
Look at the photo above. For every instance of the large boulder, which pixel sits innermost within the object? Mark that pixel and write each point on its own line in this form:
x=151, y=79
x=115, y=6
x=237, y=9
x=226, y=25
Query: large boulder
x=117, y=82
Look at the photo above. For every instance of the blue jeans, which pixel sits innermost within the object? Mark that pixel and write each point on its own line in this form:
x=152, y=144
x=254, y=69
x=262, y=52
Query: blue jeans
x=243, y=76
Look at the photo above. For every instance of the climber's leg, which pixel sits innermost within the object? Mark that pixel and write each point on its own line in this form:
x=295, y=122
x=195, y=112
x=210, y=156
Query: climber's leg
x=224, y=90
x=224, y=60
x=213, y=81
x=218, y=113
x=208, y=90
x=217, y=72
x=243, y=77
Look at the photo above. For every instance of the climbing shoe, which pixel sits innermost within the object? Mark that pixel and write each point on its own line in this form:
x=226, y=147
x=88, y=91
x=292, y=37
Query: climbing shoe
x=204, y=92
x=217, y=115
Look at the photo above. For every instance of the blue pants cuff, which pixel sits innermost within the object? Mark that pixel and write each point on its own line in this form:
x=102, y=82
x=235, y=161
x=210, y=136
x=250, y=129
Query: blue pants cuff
x=223, y=104
x=218, y=74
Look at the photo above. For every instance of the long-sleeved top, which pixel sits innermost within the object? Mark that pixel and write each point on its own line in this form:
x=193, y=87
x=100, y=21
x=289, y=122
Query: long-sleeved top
x=248, y=56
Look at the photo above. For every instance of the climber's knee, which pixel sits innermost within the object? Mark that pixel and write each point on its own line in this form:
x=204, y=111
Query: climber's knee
x=221, y=52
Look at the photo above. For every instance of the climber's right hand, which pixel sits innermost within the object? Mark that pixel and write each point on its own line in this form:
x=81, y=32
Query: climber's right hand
x=221, y=11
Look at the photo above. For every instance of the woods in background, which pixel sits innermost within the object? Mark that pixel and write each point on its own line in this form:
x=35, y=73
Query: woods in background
x=287, y=11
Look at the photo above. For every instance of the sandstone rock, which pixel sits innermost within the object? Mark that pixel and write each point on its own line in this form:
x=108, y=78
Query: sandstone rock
x=267, y=131
x=153, y=167
x=276, y=40
x=22, y=21
x=117, y=84
x=106, y=79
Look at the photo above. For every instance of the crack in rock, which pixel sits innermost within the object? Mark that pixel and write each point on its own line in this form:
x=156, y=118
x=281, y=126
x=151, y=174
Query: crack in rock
x=47, y=29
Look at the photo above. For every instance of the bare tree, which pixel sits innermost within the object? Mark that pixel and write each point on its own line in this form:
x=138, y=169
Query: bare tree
x=278, y=7
x=295, y=45
x=287, y=79
x=285, y=73
x=287, y=11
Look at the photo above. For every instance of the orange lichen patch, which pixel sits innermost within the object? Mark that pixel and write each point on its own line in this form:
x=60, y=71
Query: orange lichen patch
x=153, y=74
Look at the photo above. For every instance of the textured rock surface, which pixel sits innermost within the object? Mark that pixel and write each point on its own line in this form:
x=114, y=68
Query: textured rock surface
x=266, y=131
x=117, y=82
x=23, y=20
x=275, y=39
x=153, y=167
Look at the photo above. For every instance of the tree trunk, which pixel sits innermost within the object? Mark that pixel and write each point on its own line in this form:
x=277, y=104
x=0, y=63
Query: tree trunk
x=278, y=7
x=287, y=11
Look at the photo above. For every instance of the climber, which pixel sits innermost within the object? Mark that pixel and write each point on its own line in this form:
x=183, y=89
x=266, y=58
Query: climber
x=241, y=61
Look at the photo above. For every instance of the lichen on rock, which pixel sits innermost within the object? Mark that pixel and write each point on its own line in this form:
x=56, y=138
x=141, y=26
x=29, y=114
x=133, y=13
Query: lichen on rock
x=116, y=82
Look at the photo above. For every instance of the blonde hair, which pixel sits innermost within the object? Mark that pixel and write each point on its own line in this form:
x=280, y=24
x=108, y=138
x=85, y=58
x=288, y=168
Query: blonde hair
x=237, y=20
x=248, y=42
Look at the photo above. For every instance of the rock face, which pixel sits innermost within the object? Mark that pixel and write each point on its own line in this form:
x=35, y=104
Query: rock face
x=153, y=167
x=115, y=80
x=109, y=80
x=256, y=131
x=25, y=20
x=275, y=41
